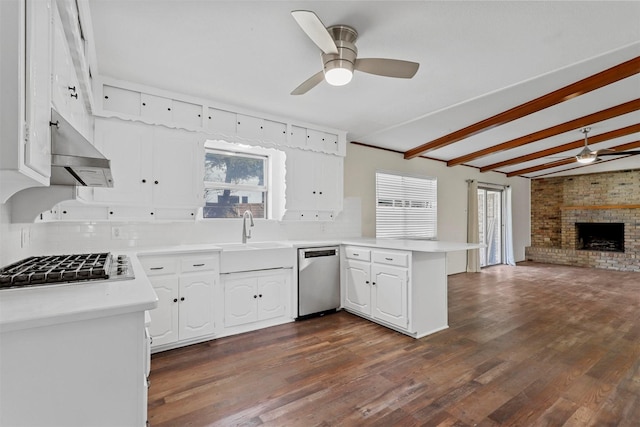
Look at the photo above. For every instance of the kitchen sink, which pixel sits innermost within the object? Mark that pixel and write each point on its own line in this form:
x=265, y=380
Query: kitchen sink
x=238, y=257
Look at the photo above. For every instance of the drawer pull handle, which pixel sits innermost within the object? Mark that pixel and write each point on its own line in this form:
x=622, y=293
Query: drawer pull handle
x=198, y=265
x=156, y=268
x=389, y=259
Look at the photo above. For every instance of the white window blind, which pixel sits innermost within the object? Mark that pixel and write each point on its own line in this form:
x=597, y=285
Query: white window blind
x=406, y=206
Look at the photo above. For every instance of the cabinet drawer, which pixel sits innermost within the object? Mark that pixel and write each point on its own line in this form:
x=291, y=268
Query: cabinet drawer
x=198, y=264
x=401, y=259
x=354, y=252
x=157, y=266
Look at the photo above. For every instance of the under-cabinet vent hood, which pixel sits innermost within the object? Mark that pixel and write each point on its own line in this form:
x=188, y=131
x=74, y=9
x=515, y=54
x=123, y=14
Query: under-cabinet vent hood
x=74, y=160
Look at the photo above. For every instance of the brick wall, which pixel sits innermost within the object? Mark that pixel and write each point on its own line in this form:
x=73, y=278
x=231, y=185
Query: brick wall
x=553, y=235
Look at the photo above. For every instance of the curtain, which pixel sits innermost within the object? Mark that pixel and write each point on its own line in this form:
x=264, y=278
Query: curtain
x=473, y=234
x=509, y=257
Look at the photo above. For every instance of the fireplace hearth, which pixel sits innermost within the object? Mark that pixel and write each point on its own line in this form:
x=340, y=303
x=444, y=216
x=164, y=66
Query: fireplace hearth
x=606, y=237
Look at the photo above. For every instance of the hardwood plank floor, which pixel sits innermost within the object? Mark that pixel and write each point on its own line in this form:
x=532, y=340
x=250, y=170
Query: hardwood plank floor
x=532, y=345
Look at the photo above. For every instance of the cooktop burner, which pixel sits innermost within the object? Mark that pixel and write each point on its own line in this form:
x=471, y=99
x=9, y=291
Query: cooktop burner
x=54, y=269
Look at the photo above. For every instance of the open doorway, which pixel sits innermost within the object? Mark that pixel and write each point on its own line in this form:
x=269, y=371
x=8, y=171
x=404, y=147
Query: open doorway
x=490, y=226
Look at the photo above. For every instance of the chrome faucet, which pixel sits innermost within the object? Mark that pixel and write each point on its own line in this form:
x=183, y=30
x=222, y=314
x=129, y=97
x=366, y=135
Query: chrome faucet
x=246, y=234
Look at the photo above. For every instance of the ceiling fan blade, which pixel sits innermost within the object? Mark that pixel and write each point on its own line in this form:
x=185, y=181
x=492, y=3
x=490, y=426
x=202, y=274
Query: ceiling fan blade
x=387, y=67
x=315, y=29
x=309, y=84
x=618, y=153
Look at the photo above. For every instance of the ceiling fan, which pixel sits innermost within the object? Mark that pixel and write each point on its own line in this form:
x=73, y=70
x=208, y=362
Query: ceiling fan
x=340, y=55
x=587, y=156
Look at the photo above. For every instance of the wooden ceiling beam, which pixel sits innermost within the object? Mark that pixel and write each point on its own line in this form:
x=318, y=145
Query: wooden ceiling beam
x=589, y=119
x=596, y=81
x=627, y=130
x=569, y=160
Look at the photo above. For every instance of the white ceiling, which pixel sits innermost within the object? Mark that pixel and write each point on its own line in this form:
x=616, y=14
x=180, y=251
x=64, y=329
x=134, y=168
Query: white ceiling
x=476, y=58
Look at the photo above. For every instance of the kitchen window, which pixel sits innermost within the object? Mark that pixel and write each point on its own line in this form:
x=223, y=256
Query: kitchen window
x=235, y=182
x=406, y=206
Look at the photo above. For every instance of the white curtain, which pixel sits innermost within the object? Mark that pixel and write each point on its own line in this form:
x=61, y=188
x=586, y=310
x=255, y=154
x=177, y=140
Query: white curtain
x=473, y=233
x=509, y=258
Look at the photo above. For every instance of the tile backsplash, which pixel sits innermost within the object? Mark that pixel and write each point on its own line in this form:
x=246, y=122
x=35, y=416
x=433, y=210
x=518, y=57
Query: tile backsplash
x=18, y=241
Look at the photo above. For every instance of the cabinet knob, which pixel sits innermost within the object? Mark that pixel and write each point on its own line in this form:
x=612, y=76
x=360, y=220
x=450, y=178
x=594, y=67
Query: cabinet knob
x=71, y=88
x=144, y=181
x=321, y=192
x=181, y=298
x=314, y=192
x=367, y=282
x=373, y=283
x=74, y=95
x=155, y=182
x=56, y=124
x=255, y=296
x=260, y=295
x=175, y=300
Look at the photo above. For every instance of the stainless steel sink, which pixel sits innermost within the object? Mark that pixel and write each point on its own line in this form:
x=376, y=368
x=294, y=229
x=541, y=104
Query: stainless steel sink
x=237, y=257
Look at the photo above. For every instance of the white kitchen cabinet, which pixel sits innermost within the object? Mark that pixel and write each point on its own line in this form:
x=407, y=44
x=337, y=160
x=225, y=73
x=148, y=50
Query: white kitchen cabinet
x=185, y=286
x=375, y=284
x=389, y=301
x=152, y=167
x=155, y=109
x=403, y=290
x=314, y=140
x=120, y=100
x=314, y=185
x=255, y=296
x=221, y=122
x=187, y=114
x=357, y=286
x=25, y=84
x=67, y=97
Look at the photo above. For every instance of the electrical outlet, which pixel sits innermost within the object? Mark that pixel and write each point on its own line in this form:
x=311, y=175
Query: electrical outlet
x=117, y=233
x=25, y=237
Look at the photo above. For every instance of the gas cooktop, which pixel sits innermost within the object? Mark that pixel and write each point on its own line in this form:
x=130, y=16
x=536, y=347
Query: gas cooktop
x=57, y=269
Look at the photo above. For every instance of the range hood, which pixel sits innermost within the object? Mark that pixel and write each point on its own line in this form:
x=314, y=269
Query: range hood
x=74, y=160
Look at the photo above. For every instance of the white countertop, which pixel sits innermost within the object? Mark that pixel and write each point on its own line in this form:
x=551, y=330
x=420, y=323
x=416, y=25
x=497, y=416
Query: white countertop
x=413, y=245
x=32, y=307
x=47, y=305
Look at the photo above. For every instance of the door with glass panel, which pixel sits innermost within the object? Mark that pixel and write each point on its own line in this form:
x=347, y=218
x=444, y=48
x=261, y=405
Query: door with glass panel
x=490, y=226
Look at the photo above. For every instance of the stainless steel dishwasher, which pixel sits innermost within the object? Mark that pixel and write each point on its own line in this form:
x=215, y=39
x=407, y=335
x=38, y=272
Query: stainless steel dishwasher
x=318, y=281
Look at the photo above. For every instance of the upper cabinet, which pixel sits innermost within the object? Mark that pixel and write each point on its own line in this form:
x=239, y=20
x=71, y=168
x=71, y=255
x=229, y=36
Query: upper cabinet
x=152, y=106
x=25, y=30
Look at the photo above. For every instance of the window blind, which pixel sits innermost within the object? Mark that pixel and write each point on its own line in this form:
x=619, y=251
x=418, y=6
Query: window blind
x=406, y=206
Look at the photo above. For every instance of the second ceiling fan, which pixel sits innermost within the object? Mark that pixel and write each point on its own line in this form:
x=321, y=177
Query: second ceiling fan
x=340, y=55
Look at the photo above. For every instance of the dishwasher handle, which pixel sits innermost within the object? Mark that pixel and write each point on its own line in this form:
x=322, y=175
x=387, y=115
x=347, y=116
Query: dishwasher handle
x=315, y=253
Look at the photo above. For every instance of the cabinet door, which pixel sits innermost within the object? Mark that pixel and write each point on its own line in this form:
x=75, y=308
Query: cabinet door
x=250, y=128
x=221, y=122
x=178, y=159
x=272, y=291
x=128, y=146
x=240, y=301
x=389, y=294
x=37, y=154
x=155, y=109
x=121, y=100
x=357, y=287
x=322, y=141
x=329, y=170
x=187, y=114
x=301, y=193
x=164, y=318
x=196, y=305
x=275, y=132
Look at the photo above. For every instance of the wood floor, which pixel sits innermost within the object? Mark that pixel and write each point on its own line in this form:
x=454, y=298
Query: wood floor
x=530, y=345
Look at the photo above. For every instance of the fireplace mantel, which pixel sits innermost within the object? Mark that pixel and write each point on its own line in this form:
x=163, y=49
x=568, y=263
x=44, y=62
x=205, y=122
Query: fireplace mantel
x=593, y=207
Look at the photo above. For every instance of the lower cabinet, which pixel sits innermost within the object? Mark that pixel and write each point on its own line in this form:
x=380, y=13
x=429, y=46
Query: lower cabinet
x=255, y=296
x=378, y=291
x=185, y=286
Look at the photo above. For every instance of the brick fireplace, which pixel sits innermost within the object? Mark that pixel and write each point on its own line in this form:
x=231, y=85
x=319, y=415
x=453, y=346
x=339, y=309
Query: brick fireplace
x=561, y=205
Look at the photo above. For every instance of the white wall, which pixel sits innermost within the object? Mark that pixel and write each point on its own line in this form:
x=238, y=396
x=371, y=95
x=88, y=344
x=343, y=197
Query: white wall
x=362, y=162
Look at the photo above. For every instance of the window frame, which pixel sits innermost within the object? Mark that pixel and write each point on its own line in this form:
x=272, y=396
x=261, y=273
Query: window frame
x=243, y=153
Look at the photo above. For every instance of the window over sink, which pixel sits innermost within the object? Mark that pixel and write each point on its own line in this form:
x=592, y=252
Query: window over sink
x=239, y=178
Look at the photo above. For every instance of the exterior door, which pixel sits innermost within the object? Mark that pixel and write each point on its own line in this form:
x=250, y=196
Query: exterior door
x=490, y=225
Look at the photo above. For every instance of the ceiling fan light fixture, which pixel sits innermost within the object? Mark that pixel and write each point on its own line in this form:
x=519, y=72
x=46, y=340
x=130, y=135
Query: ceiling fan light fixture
x=586, y=156
x=338, y=76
